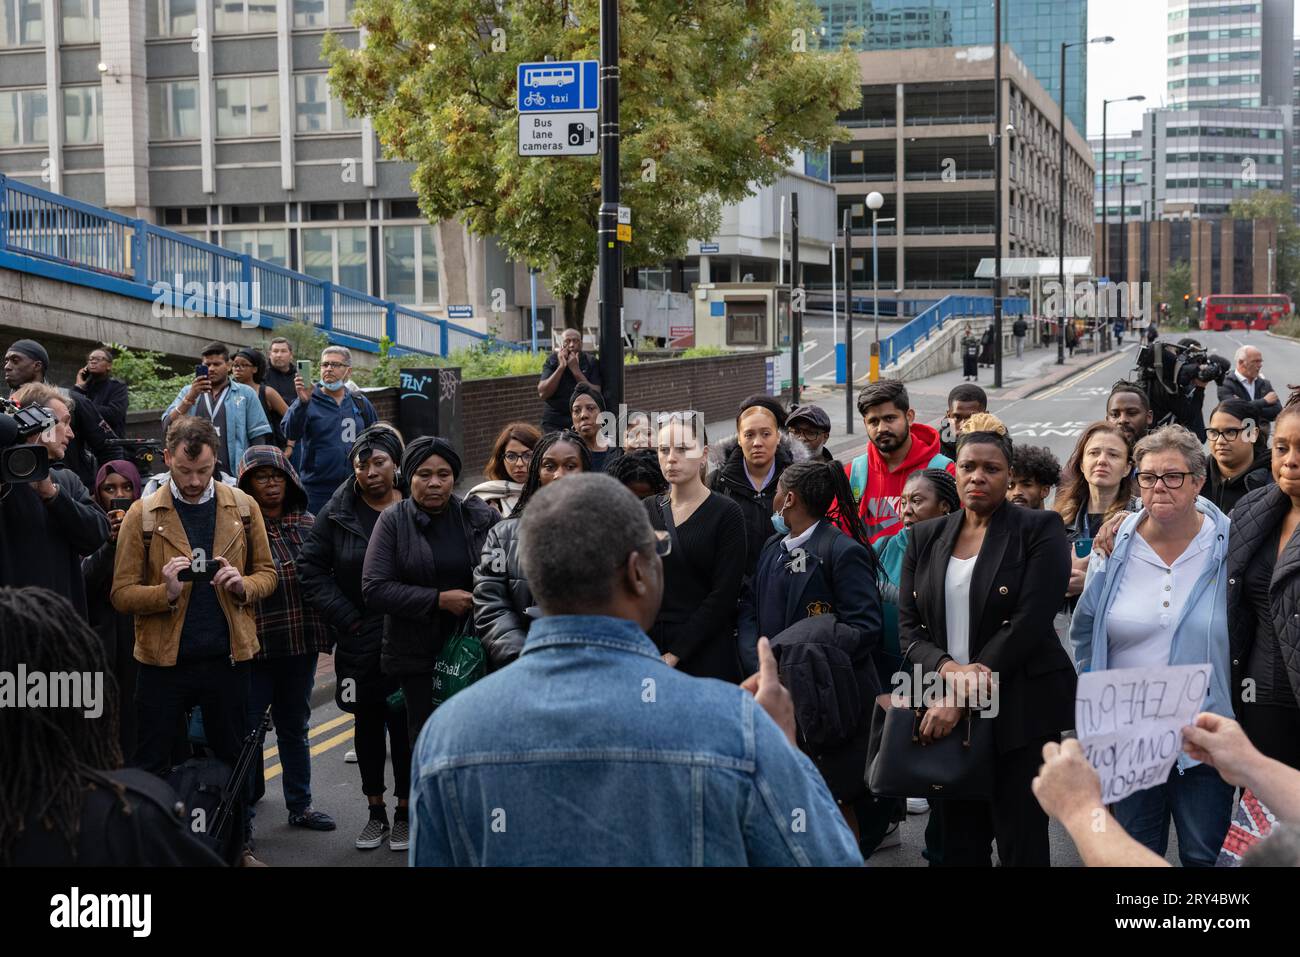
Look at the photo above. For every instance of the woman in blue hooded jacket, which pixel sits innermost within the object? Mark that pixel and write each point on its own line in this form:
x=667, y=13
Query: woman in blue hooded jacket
x=1161, y=599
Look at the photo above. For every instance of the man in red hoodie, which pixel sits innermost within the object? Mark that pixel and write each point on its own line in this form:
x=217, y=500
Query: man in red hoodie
x=897, y=446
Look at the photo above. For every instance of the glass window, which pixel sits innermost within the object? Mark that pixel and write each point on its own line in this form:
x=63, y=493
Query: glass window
x=174, y=110
x=318, y=253
x=399, y=263
x=311, y=14
x=24, y=115
x=337, y=255
x=80, y=21
x=271, y=245
x=247, y=106
x=21, y=23
x=431, y=291
x=316, y=110
x=82, y=122
x=172, y=18
x=353, y=271
x=244, y=16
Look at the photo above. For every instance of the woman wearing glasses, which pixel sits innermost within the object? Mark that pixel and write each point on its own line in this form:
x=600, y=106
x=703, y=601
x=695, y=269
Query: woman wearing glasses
x=503, y=602
x=696, y=625
x=1161, y=599
x=507, y=467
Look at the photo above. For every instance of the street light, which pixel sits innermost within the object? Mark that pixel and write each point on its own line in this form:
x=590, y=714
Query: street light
x=1105, y=212
x=874, y=202
x=1060, y=199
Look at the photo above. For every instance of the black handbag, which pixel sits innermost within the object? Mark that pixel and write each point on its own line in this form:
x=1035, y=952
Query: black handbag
x=959, y=766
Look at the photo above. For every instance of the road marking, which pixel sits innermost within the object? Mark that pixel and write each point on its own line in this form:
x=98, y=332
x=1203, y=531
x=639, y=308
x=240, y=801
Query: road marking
x=321, y=748
x=1079, y=377
x=314, y=732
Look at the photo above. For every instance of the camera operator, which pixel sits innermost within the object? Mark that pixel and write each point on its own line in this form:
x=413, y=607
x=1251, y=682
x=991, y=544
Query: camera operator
x=49, y=525
x=1175, y=378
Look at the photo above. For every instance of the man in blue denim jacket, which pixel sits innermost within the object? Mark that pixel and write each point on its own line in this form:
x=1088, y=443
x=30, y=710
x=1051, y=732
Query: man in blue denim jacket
x=590, y=750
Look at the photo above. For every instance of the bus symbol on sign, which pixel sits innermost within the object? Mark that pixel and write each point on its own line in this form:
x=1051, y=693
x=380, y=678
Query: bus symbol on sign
x=569, y=87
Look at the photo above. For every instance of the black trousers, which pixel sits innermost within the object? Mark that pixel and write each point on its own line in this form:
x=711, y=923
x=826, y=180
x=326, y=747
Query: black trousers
x=961, y=833
x=374, y=719
x=1274, y=729
x=418, y=691
x=163, y=695
x=970, y=366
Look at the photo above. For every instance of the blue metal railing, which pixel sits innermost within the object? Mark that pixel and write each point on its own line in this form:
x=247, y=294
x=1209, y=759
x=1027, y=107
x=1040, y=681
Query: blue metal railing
x=927, y=323
x=77, y=242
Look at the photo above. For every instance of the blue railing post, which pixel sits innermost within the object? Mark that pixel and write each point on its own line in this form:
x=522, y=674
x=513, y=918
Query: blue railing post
x=442, y=338
x=4, y=211
x=246, y=303
x=139, y=245
x=390, y=322
x=327, y=306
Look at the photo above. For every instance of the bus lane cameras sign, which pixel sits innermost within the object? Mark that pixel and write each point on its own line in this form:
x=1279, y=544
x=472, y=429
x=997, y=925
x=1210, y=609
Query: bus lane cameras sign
x=557, y=104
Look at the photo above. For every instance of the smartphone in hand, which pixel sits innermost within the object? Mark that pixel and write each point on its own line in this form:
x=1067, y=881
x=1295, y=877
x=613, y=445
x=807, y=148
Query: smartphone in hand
x=1083, y=547
x=119, y=504
x=304, y=369
x=200, y=371
x=188, y=574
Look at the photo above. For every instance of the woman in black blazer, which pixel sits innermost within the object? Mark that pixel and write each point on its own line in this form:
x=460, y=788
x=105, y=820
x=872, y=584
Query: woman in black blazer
x=1013, y=565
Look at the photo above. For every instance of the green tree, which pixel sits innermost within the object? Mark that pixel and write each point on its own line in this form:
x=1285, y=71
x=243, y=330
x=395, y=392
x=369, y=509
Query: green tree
x=1274, y=205
x=714, y=98
x=1178, y=283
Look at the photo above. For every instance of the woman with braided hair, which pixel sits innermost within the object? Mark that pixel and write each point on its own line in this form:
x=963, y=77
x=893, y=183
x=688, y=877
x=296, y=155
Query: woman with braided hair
x=503, y=603
x=65, y=798
x=977, y=600
x=639, y=470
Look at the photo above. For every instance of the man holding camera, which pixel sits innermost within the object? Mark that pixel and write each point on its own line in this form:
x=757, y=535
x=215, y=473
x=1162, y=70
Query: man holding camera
x=193, y=561
x=46, y=526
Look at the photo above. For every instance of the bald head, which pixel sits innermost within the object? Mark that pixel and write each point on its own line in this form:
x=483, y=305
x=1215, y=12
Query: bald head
x=1249, y=361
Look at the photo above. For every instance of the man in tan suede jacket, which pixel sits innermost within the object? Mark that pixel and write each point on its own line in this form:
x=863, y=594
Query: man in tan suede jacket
x=192, y=563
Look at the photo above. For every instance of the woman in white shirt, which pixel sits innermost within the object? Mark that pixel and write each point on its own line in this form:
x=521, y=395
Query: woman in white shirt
x=1161, y=599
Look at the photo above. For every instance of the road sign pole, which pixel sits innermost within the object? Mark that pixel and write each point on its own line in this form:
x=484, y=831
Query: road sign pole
x=611, y=267
x=796, y=295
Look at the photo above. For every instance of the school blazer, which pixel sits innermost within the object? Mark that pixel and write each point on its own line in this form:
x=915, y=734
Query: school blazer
x=1017, y=587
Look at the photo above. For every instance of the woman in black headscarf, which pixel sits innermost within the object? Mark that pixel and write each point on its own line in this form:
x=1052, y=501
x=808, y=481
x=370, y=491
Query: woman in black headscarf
x=587, y=406
x=419, y=570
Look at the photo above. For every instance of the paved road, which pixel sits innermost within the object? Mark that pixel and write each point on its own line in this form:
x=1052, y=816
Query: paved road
x=1053, y=417
x=819, y=344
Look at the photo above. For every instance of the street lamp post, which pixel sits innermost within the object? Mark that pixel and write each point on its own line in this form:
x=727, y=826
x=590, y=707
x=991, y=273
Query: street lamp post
x=874, y=202
x=610, y=258
x=848, y=320
x=1105, y=219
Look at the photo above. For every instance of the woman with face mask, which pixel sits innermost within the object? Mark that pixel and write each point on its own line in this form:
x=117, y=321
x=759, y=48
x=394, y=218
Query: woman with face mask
x=503, y=602
x=419, y=570
x=695, y=628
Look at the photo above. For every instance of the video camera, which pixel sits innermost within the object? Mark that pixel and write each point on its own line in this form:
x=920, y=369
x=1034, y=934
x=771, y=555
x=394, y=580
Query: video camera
x=1168, y=373
x=19, y=462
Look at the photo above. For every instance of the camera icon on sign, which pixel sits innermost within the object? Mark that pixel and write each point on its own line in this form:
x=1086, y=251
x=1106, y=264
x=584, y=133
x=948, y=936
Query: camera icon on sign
x=580, y=133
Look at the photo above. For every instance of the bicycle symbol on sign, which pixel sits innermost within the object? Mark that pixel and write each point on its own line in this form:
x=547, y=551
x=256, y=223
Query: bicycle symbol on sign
x=534, y=99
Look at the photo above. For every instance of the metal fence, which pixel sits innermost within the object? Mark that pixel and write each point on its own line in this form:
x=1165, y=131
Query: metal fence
x=927, y=323
x=89, y=242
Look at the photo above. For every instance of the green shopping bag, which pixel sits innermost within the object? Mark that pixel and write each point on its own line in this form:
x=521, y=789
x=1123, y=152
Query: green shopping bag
x=460, y=663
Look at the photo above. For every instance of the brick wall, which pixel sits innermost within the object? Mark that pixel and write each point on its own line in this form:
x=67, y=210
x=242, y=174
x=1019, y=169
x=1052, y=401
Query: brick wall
x=712, y=386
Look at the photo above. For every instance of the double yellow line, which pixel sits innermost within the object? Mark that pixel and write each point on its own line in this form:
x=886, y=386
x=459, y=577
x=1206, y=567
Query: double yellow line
x=332, y=742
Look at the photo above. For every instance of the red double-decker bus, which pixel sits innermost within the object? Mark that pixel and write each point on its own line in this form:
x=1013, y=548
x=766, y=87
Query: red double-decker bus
x=1242, y=312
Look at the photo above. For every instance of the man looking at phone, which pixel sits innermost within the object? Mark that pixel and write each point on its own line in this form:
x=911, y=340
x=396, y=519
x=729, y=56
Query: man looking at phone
x=193, y=561
x=564, y=368
x=323, y=422
x=232, y=407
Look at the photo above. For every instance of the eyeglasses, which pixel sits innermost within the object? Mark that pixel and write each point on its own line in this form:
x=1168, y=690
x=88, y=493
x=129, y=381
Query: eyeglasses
x=514, y=458
x=266, y=478
x=333, y=365
x=1172, y=480
x=806, y=435
x=1230, y=434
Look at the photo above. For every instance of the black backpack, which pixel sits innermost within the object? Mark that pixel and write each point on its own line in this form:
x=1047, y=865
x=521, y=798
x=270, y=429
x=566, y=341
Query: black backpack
x=213, y=795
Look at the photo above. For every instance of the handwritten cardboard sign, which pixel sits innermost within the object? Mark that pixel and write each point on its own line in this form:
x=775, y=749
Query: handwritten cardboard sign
x=1130, y=720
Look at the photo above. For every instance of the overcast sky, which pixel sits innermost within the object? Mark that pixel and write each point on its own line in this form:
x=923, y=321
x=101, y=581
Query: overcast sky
x=1133, y=64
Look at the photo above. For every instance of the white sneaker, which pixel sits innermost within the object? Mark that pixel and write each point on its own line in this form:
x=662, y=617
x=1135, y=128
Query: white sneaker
x=349, y=756
x=917, y=805
x=893, y=838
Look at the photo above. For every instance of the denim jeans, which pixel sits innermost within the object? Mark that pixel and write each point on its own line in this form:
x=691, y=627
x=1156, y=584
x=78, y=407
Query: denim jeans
x=285, y=684
x=1201, y=805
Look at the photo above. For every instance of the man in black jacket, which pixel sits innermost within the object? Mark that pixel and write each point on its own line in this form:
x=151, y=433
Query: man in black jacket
x=1244, y=382
x=108, y=396
x=27, y=361
x=48, y=525
x=1237, y=464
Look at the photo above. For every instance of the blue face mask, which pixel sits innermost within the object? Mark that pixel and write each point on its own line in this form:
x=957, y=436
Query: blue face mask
x=778, y=522
x=332, y=386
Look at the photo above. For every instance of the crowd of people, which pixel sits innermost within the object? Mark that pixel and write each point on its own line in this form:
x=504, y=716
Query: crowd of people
x=688, y=643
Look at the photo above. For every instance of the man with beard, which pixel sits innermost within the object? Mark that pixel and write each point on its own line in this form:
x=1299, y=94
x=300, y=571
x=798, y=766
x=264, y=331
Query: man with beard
x=1034, y=473
x=897, y=446
x=27, y=361
x=811, y=425
x=95, y=384
x=1129, y=408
